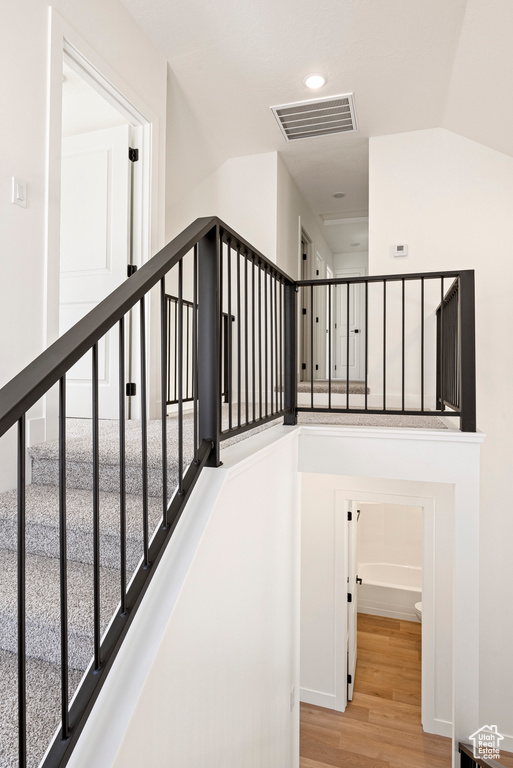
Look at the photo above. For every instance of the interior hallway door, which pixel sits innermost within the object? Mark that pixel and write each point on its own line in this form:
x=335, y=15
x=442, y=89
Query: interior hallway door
x=352, y=605
x=95, y=242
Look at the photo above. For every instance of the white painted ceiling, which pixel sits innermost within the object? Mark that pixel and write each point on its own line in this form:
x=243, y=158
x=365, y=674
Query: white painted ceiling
x=411, y=64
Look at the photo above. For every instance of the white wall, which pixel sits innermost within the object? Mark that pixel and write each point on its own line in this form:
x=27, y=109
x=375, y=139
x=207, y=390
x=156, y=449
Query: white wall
x=242, y=192
x=216, y=643
x=112, y=34
x=390, y=533
x=354, y=260
x=293, y=213
x=450, y=199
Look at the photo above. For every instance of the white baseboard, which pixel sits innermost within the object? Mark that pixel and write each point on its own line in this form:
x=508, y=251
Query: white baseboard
x=507, y=744
x=442, y=728
x=390, y=614
x=317, y=698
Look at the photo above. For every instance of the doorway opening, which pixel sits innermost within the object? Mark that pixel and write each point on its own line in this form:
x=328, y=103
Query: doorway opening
x=104, y=216
x=384, y=617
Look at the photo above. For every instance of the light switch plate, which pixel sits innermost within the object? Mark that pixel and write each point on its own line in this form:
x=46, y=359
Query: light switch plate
x=19, y=192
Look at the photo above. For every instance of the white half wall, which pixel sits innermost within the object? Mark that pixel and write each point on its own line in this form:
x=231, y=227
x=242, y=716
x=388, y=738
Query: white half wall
x=213, y=654
x=450, y=199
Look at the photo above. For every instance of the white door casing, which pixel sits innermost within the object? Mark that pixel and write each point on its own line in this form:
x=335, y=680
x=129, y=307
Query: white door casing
x=95, y=242
x=352, y=604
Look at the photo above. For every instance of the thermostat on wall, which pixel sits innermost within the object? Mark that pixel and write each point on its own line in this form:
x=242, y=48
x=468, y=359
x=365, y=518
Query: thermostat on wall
x=400, y=250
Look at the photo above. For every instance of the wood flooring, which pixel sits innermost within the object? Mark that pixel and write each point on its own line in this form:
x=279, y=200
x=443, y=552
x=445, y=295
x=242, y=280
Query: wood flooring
x=381, y=727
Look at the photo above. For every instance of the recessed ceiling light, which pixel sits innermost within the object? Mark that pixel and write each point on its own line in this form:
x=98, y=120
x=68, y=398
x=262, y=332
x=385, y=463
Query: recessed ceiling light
x=339, y=194
x=315, y=80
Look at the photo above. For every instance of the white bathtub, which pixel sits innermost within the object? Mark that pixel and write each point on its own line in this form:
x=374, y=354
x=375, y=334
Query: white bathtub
x=389, y=590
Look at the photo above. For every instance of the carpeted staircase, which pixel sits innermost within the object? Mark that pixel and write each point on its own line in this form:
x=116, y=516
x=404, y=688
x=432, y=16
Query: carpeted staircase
x=42, y=566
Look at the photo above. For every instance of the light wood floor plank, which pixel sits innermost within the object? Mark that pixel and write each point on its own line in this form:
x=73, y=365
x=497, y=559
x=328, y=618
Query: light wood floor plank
x=381, y=727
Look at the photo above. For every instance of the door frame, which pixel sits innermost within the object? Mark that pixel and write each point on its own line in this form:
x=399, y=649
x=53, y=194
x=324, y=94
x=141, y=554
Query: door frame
x=65, y=43
x=343, y=501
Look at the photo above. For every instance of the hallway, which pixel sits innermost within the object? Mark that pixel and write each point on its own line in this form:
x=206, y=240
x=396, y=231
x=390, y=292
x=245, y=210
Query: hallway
x=381, y=727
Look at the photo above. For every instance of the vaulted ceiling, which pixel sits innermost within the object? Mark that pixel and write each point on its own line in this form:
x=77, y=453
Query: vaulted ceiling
x=411, y=64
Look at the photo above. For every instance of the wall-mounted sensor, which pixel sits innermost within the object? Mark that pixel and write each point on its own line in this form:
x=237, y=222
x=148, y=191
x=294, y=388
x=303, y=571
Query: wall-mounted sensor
x=400, y=250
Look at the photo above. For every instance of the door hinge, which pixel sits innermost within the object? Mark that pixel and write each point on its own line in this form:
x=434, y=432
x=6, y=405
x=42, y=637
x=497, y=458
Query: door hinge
x=133, y=154
x=349, y=597
x=304, y=310
x=304, y=257
x=349, y=679
x=349, y=515
x=316, y=319
x=303, y=366
x=316, y=367
x=316, y=271
x=130, y=389
x=130, y=269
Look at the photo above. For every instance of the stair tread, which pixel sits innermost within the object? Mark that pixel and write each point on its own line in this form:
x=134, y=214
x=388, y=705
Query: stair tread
x=43, y=606
x=43, y=707
x=79, y=442
x=42, y=507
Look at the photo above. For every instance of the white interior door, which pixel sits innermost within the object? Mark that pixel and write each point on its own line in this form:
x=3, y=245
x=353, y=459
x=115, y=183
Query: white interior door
x=95, y=241
x=355, y=328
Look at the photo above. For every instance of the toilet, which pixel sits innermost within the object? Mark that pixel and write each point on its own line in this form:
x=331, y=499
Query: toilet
x=418, y=611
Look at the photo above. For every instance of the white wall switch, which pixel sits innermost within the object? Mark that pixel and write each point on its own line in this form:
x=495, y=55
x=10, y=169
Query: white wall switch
x=19, y=192
x=400, y=250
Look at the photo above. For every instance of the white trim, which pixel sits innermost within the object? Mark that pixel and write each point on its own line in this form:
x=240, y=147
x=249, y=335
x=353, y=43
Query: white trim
x=442, y=728
x=380, y=433
x=317, y=698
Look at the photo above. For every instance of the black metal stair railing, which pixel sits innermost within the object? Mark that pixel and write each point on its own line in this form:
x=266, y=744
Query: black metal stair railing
x=228, y=346
x=416, y=338
x=204, y=363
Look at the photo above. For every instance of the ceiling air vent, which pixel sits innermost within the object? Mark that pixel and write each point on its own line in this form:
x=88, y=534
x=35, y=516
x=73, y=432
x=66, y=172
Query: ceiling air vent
x=320, y=117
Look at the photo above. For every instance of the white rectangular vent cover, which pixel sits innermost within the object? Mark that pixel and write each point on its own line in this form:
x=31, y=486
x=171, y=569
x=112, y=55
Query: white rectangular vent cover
x=321, y=117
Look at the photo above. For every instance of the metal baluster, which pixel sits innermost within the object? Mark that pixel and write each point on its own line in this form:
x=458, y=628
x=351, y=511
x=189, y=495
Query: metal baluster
x=96, y=508
x=144, y=433
x=366, y=340
x=442, y=345
x=311, y=347
x=260, y=336
x=122, y=465
x=221, y=329
x=187, y=336
x=22, y=661
x=329, y=346
x=347, y=346
x=163, y=416
x=384, y=344
x=180, y=377
x=265, y=335
x=276, y=339
x=176, y=348
x=246, y=336
x=253, y=351
x=281, y=345
x=195, y=352
x=422, y=344
x=63, y=562
x=402, y=343
x=170, y=356
x=229, y=339
x=239, y=330
x=271, y=340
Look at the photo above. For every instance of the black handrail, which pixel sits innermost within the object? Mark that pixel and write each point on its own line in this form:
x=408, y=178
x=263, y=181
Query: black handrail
x=467, y=759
